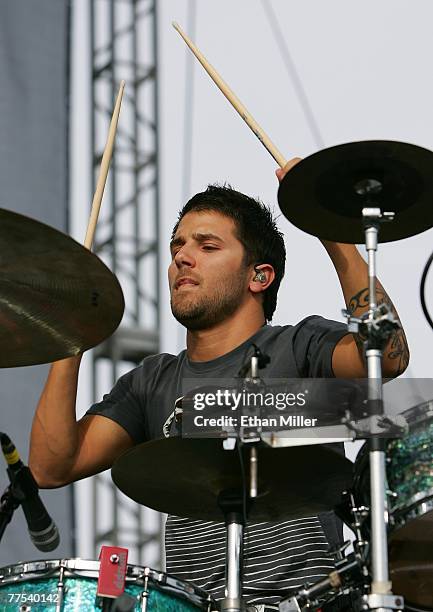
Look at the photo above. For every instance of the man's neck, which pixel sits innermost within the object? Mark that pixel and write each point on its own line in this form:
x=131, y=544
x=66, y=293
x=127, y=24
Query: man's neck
x=208, y=344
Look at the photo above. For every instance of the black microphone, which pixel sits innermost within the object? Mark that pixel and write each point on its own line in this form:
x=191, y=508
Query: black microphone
x=43, y=531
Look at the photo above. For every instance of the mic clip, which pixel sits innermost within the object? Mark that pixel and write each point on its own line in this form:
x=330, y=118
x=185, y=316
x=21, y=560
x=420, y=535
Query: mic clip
x=8, y=504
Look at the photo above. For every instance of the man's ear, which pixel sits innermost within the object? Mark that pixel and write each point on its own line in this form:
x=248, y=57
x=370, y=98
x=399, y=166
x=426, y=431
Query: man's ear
x=262, y=276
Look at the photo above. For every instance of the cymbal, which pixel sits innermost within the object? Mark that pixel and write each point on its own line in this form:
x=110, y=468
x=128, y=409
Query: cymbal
x=57, y=299
x=325, y=193
x=185, y=477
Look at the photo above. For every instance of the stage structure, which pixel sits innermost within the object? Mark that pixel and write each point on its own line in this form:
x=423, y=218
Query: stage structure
x=124, y=46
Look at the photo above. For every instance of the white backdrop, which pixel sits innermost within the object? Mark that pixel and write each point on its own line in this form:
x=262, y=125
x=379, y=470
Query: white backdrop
x=365, y=69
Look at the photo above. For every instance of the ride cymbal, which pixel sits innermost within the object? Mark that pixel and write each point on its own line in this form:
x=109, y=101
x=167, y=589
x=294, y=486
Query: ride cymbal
x=325, y=193
x=57, y=299
x=185, y=477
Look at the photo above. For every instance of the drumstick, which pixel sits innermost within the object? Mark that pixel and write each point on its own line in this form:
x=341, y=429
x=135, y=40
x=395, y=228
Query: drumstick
x=103, y=171
x=234, y=100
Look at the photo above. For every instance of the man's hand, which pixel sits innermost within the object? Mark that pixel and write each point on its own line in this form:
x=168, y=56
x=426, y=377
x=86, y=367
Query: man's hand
x=281, y=172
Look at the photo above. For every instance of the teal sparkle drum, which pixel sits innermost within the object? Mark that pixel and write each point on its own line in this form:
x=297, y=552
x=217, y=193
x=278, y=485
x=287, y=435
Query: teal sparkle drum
x=410, y=469
x=409, y=472
x=69, y=585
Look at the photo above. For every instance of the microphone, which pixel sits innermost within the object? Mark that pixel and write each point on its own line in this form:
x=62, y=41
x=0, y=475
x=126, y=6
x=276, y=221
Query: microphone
x=43, y=531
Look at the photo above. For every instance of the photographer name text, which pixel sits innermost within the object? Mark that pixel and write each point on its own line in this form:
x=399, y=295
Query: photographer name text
x=282, y=420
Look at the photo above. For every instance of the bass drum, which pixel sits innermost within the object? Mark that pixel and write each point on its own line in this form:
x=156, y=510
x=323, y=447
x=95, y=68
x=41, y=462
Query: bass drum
x=69, y=585
x=409, y=471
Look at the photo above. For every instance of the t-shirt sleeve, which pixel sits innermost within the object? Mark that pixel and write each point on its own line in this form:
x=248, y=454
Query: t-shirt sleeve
x=314, y=341
x=123, y=405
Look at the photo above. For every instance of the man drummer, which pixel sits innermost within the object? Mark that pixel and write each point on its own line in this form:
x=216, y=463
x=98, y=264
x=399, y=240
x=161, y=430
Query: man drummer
x=227, y=264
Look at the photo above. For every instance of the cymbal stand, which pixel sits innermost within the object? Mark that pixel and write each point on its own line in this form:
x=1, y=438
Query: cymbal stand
x=375, y=327
x=234, y=505
x=232, y=508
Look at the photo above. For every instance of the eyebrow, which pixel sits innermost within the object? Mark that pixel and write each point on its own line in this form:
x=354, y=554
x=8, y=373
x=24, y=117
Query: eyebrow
x=197, y=236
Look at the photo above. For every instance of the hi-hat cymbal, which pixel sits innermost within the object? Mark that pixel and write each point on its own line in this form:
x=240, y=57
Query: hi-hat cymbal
x=325, y=193
x=185, y=477
x=57, y=299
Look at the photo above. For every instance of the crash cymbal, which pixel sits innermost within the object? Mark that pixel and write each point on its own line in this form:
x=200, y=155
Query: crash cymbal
x=57, y=298
x=185, y=477
x=325, y=193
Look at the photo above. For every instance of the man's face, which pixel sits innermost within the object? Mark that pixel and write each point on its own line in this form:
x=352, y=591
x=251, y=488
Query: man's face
x=207, y=276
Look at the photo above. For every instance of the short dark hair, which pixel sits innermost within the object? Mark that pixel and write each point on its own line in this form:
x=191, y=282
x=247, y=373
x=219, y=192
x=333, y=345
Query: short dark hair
x=256, y=229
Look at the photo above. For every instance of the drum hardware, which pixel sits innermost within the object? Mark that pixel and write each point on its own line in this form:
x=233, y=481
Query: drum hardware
x=249, y=375
x=378, y=601
x=336, y=185
x=145, y=594
x=381, y=425
x=355, y=516
x=377, y=326
x=8, y=504
x=249, y=372
x=235, y=508
x=24, y=491
x=347, y=575
x=71, y=584
x=409, y=469
x=124, y=603
x=60, y=588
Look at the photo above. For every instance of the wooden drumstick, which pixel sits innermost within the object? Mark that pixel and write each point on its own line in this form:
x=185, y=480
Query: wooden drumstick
x=103, y=171
x=234, y=100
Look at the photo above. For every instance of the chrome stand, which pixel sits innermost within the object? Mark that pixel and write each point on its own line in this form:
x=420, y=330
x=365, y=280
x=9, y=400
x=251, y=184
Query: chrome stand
x=235, y=504
x=376, y=326
x=232, y=508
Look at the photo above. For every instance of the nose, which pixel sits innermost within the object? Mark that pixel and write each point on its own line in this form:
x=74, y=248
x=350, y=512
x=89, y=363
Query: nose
x=184, y=257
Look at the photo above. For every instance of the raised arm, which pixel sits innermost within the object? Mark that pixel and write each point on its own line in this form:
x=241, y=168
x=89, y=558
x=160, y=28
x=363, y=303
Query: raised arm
x=63, y=450
x=348, y=359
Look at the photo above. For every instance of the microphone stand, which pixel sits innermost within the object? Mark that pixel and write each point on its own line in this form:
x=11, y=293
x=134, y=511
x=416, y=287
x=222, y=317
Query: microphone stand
x=234, y=506
x=8, y=504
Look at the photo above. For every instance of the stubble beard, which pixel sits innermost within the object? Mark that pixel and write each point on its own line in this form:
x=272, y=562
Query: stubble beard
x=205, y=311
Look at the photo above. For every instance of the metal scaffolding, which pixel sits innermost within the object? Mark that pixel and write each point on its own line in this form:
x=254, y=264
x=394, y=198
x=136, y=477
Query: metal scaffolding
x=124, y=46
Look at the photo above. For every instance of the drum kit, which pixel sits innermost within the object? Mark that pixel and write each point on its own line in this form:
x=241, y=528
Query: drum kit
x=379, y=190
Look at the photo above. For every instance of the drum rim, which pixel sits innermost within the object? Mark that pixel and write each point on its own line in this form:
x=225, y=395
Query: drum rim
x=423, y=412
x=400, y=514
x=89, y=568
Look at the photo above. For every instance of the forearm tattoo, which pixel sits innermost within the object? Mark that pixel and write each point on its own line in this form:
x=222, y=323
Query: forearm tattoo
x=396, y=349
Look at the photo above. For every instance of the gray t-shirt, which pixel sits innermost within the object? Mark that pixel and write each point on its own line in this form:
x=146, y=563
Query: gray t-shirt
x=142, y=400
